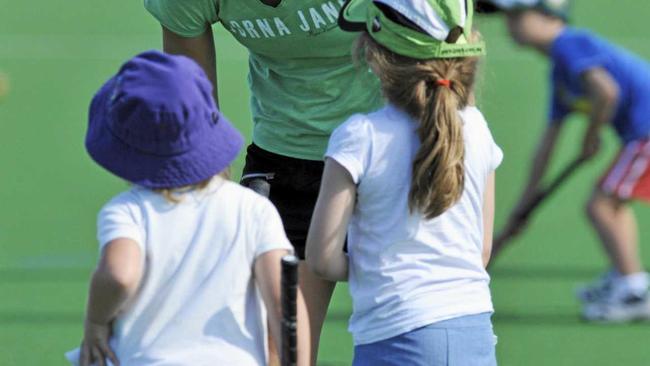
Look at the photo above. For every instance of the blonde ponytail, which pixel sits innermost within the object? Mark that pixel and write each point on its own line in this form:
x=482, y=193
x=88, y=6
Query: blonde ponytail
x=432, y=92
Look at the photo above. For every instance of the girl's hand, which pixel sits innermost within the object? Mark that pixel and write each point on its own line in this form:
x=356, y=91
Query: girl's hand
x=94, y=348
x=516, y=223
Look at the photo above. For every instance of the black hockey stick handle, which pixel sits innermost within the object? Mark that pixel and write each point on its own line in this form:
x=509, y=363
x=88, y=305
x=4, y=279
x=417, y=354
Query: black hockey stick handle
x=552, y=187
x=503, y=238
x=289, y=296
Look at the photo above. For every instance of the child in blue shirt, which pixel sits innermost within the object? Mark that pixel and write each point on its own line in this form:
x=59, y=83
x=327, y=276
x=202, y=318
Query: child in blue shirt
x=611, y=86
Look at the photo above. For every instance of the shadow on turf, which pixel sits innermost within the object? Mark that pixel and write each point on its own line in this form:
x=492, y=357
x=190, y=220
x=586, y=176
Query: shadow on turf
x=556, y=319
x=35, y=275
x=544, y=272
x=48, y=318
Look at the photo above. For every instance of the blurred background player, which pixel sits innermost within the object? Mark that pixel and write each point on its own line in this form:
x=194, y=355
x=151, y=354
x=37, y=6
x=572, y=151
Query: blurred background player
x=612, y=87
x=185, y=250
x=414, y=183
x=303, y=84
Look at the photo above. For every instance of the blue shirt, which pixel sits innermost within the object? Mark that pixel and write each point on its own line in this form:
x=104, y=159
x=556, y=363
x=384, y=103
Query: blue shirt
x=576, y=51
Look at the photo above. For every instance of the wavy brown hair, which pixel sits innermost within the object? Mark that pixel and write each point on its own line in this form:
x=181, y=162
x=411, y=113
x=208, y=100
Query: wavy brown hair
x=412, y=85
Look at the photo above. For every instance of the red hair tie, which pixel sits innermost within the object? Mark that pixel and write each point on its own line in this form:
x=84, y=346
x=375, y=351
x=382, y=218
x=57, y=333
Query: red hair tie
x=444, y=82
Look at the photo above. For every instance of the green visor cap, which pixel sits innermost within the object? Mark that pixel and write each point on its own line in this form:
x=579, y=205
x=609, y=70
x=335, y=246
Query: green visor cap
x=431, y=22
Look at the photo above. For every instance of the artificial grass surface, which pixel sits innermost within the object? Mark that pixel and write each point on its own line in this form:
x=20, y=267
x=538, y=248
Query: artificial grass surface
x=57, y=54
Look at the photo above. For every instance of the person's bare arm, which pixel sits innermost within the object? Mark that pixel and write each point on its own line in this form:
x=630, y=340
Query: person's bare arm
x=603, y=93
x=200, y=48
x=267, y=271
x=116, y=279
x=329, y=223
x=268, y=278
x=488, y=218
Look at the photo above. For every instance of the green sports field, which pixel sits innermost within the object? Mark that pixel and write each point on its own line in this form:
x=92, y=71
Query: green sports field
x=58, y=53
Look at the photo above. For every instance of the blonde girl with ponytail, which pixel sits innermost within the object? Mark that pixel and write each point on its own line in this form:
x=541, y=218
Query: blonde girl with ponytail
x=411, y=186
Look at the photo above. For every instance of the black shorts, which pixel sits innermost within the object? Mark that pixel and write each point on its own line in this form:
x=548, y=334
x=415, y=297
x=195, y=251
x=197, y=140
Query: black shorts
x=294, y=185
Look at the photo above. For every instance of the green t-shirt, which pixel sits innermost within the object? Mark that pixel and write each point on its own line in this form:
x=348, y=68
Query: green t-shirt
x=303, y=80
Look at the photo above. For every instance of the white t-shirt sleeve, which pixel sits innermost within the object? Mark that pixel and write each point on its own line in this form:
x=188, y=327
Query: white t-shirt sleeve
x=121, y=218
x=496, y=155
x=349, y=145
x=271, y=235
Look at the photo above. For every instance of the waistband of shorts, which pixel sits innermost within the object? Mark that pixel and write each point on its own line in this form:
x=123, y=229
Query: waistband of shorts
x=255, y=150
x=464, y=321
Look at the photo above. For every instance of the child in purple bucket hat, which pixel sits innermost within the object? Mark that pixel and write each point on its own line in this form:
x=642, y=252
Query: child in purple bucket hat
x=190, y=261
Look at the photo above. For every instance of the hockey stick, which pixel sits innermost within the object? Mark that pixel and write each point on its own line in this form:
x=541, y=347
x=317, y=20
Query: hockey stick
x=504, y=237
x=289, y=297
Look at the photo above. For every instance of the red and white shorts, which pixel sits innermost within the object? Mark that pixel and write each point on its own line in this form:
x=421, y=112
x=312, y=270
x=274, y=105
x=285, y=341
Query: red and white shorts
x=629, y=176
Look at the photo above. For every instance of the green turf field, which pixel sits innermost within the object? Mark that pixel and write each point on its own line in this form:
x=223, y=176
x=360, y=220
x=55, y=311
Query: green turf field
x=58, y=53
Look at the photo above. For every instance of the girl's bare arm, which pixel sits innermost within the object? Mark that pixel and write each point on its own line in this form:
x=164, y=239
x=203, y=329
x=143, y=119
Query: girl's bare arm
x=488, y=218
x=329, y=223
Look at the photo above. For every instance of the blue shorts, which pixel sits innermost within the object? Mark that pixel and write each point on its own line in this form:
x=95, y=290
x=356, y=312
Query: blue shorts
x=464, y=341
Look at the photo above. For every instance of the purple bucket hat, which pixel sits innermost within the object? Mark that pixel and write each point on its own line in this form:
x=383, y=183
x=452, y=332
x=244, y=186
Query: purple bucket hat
x=155, y=124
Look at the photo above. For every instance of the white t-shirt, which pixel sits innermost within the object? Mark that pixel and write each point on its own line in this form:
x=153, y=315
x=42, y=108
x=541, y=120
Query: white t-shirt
x=406, y=271
x=198, y=303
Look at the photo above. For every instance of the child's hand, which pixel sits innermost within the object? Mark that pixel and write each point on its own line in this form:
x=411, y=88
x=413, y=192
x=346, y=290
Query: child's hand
x=95, y=349
x=517, y=221
x=516, y=224
x=590, y=145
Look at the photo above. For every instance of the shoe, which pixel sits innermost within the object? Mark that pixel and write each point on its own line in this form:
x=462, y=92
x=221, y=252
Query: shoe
x=625, y=309
x=599, y=289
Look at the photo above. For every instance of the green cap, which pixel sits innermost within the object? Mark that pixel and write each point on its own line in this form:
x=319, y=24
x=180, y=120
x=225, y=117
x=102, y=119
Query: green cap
x=422, y=29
